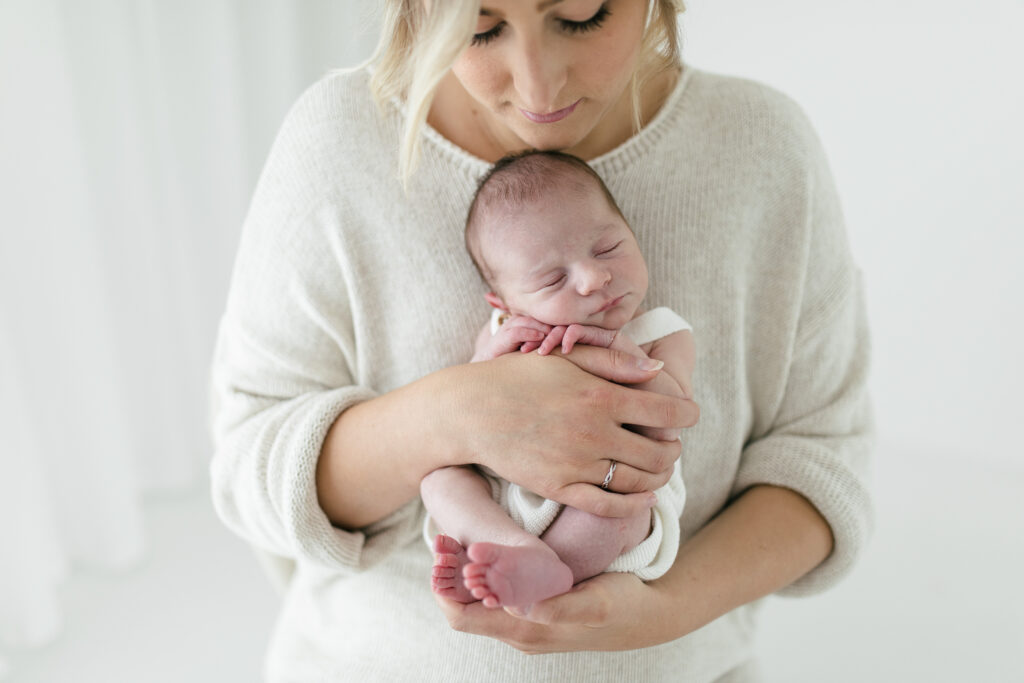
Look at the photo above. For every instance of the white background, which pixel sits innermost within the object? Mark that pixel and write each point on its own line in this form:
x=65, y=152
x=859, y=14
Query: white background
x=918, y=104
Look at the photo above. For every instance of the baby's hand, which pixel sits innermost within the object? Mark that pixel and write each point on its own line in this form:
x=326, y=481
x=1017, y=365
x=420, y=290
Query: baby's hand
x=569, y=336
x=518, y=332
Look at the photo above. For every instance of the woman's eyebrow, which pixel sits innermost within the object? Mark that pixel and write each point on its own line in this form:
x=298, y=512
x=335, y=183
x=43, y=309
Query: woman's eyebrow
x=541, y=6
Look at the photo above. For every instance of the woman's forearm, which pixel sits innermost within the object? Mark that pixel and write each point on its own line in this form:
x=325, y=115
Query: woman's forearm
x=542, y=422
x=765, y=540
x=376, y=453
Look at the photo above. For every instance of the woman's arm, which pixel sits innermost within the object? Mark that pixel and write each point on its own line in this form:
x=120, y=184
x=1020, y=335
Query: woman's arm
x=545, y=424
x=306, y=457
x=765, y=540
x=768, y=539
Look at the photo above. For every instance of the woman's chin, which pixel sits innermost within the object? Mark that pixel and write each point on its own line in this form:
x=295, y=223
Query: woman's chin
x=550, y=136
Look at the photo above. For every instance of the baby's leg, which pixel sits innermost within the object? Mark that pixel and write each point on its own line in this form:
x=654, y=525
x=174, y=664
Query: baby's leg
x=512, y=568
x=588, y=543
x=451, y=494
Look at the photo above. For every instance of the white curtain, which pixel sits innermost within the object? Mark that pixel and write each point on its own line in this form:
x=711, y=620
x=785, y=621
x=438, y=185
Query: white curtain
x=131, y=135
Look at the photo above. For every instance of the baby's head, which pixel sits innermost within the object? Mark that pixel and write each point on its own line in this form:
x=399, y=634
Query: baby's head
x=550, y=242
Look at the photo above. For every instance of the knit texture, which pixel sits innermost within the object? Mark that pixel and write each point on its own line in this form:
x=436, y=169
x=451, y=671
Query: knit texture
x=345, y=288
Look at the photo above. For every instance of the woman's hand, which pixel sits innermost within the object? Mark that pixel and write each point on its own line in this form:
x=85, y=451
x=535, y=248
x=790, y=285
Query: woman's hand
x=765, y=539
x=554, y=427
x=607, y=612
x=549, y=425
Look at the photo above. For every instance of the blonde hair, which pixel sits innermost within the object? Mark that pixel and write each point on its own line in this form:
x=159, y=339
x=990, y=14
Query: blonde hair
x=417, y=47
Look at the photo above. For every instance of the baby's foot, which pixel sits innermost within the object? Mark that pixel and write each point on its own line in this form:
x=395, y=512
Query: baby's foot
x=514, y=576
x=445, y=579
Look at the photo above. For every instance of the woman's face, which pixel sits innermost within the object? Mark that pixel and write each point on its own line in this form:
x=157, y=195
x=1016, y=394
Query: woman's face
x=552, y=74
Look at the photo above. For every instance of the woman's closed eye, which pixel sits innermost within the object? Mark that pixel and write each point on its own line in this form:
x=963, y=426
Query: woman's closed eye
x=567, y=25
x=590, y=24
x=487, y=36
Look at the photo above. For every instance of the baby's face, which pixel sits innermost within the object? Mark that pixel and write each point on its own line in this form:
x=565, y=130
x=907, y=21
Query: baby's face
x=566, y=259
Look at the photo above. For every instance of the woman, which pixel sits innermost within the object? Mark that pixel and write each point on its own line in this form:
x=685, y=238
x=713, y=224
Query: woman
x=340, y=377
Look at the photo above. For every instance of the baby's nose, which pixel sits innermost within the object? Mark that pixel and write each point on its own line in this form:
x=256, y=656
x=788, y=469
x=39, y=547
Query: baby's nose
x=593, y=279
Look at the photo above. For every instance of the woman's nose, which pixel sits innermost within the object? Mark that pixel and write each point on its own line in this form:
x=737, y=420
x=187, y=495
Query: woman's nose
x=539, y=75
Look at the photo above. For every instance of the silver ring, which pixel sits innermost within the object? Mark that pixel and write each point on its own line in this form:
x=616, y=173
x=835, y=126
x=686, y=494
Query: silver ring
x=608, y=477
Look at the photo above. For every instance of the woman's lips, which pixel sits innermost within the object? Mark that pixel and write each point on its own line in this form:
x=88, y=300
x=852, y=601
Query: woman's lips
x=553, y=116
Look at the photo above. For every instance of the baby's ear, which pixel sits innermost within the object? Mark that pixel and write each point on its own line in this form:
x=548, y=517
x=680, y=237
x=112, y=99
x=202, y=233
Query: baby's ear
x=494, y=300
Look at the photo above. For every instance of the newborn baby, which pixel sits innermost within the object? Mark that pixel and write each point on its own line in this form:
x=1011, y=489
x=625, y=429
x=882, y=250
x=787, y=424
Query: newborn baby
x=564, y=268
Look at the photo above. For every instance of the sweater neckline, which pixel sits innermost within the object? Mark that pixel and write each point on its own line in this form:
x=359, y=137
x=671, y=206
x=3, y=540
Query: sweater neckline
x=613, y=161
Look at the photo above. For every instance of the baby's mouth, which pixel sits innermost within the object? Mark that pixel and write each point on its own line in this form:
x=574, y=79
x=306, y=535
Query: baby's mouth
x=611, y=303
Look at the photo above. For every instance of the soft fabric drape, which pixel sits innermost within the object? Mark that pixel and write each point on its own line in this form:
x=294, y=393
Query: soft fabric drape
x=131, y=134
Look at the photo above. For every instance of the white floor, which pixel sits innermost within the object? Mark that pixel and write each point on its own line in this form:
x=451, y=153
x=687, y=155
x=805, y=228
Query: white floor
x=200, y=609
x=937, y=598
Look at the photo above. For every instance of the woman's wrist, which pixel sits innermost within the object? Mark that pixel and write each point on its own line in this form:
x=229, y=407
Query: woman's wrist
x=763, y=541
x=536, y=421
x=376, y=453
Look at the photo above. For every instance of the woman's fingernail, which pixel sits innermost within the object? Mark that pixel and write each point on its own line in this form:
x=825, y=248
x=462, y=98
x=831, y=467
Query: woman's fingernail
x=650, y=364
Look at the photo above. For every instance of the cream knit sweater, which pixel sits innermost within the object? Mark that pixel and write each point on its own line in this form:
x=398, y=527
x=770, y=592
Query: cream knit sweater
x=345, y=288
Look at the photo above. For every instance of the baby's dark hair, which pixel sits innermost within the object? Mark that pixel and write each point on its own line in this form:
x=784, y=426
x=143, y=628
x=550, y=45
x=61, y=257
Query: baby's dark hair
x=524, y=177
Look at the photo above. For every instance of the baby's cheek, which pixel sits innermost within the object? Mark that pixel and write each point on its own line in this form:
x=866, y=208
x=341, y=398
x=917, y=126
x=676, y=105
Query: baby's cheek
x=565, y=310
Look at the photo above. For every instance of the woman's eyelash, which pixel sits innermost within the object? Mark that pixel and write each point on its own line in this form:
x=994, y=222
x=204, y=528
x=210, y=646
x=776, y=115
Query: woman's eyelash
x=487, y=36
x=590, y=24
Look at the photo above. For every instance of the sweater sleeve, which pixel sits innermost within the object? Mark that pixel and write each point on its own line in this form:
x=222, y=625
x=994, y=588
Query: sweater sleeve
x=820, y=439
x=286, y=366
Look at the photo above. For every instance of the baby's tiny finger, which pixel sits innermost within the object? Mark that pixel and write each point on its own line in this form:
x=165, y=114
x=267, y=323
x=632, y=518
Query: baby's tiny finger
x=525, y=321
x=522, y=333
x=552, y=340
